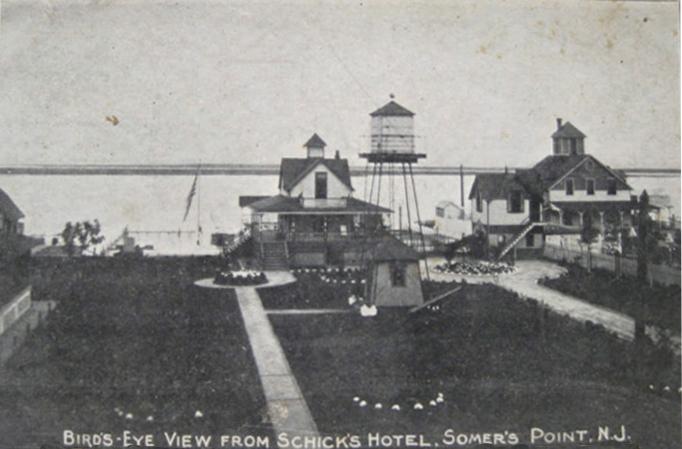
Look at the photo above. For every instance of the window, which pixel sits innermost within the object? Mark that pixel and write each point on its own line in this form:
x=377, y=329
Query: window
x=569, y=186
x=515, y=202
x=590, y=186
x=530, y=240
x=320, y=185
x=479, y=203
x=440, y=212
x=611, y=188
x=574, y=145
x=398, y=274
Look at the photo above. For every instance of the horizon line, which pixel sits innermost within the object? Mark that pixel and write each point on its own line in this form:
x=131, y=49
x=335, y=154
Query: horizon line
x=268, y=169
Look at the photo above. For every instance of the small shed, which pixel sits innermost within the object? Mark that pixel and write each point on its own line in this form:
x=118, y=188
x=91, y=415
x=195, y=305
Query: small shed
x=393, y=277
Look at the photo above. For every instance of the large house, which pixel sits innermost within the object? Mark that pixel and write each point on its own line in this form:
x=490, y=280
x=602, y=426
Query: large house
x=554, y=199
x=314, y=219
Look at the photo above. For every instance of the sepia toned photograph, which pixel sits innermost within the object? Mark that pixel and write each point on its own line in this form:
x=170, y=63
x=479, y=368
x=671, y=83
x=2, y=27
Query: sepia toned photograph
x=307, y=224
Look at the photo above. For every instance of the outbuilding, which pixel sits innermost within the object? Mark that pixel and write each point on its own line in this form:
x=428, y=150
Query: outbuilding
x=393, y=276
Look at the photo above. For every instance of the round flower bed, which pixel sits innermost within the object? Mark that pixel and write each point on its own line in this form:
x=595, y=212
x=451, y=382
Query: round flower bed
x=242, y=277
x=475, y=268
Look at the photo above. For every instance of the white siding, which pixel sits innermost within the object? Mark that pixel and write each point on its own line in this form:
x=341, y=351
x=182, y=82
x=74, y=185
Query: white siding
x=392, y=134
x=335, y=188
x=498, y=213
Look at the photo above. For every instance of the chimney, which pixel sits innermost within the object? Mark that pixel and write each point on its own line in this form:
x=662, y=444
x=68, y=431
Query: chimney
x=558, y=124
x=337, y=155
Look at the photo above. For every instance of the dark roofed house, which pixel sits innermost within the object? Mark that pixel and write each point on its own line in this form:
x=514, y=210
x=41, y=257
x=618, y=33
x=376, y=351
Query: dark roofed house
x=313, y=208
x=10, y=217
x=518, y=211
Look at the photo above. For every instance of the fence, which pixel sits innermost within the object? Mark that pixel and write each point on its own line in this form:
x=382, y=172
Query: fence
x=13, y=310
x=661, y=274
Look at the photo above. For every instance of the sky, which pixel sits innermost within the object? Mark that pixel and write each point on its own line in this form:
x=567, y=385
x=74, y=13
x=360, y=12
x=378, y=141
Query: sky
x=246, y=82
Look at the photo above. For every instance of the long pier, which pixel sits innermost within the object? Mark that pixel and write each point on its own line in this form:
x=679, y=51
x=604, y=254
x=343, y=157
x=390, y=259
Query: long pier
x=264, y=169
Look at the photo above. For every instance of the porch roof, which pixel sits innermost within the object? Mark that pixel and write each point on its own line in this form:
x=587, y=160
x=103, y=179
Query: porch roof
x=287, y=205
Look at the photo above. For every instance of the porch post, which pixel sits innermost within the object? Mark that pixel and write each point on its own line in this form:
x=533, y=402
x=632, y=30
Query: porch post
x=581, y=213
x=561, y=217
x=601, y=221
x=621, y=216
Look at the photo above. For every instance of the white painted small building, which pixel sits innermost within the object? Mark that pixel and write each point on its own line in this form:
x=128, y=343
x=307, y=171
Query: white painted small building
x=451, y=220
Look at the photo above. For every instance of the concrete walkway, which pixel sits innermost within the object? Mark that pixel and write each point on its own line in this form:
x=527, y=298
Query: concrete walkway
x=287, y=407
x=525, y=283
x=12, y=339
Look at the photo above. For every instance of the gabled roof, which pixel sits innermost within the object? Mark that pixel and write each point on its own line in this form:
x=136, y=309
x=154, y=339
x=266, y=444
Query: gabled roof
x=389, y=249
x=392, y=109
x=554, y=168
x=495, y=186
x=292, y=170
x=8, y=208
x=447, y=203
x=568, y=130
x=315, y=142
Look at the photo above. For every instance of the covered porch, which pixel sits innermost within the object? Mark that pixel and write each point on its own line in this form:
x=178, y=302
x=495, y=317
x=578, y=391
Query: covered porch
x=317, y=227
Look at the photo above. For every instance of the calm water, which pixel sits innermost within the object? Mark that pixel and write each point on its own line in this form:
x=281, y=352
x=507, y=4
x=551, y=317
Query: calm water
x=158, y=202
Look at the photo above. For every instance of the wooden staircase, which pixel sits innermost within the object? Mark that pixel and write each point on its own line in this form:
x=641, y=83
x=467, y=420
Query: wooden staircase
x=517, y=238
x=274, y=256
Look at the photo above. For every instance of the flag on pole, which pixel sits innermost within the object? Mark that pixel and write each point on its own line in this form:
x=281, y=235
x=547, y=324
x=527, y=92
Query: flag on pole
x=190, y=196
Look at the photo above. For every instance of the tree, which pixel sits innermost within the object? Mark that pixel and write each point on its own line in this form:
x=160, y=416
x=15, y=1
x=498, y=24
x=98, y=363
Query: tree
x=588, y=235
x=81, y=236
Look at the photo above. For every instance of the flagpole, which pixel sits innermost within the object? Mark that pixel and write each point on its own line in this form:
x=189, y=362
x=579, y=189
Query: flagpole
x=198, y=204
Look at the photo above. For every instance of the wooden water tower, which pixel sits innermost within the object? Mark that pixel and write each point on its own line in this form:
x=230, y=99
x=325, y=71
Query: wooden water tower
x=392, y=153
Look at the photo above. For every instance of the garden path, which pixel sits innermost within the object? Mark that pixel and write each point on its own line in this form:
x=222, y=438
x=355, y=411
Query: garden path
x=525, y=283
x=287, y=407
x=17, y=333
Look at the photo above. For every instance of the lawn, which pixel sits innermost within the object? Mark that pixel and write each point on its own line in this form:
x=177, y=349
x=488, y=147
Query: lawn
x=500, y=362
x=130, y=338
x=311, y=292
x=600, y=287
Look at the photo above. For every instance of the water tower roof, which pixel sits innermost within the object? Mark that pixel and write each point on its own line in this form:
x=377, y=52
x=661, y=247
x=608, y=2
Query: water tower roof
x=315, y=142
x=392, y=109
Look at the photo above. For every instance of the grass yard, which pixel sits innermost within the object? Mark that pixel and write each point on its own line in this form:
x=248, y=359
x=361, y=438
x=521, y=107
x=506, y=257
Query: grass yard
x=600, y=287
x=134, y=338
x=501, y=363
x=311, y=292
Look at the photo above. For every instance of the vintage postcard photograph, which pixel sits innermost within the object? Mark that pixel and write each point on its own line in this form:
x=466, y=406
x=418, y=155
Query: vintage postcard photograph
x=298, y=224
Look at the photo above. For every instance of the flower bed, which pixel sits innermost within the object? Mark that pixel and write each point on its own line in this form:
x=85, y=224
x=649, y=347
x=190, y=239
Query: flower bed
x=242, y=277
x=475, y=268
x=335, y=275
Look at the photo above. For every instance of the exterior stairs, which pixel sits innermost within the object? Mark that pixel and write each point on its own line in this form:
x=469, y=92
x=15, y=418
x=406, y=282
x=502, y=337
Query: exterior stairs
x=516, y=239
x=238, y=242
x=275, y=256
